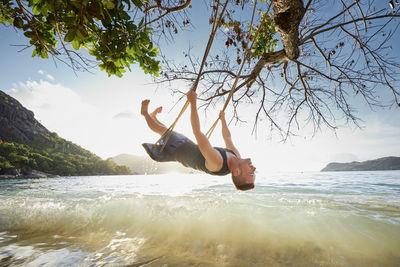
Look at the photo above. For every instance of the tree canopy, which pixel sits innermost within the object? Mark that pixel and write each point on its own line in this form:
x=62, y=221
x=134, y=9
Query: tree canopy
x=109, y=30
x=309, y=64
x=309, y=60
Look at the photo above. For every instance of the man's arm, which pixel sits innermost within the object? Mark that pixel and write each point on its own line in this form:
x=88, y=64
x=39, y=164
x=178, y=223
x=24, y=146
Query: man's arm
x=213, y=158
x=226, y=134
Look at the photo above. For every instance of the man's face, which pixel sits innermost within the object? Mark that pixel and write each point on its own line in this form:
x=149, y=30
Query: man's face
x=247, y=169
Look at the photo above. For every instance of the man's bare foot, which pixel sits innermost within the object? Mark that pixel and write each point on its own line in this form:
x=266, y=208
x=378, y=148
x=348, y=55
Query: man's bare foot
x=145, y=107
x=155, y=112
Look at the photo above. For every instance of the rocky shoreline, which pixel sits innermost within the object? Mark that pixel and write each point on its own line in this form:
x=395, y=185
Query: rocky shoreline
x=15, y=173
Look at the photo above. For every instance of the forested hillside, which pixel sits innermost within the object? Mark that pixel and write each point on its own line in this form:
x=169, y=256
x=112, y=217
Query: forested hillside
x=386, y=163
x=26, y=144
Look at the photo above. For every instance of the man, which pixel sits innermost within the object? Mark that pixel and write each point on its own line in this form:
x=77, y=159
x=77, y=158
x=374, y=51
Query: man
x=201, y=156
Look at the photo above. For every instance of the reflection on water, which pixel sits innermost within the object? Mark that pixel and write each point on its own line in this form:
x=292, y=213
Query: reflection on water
x=310, y=219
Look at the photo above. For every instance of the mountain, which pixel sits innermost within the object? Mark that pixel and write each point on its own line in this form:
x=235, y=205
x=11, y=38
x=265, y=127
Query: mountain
x=386, y=163
x=145, y=165
x=26, y=144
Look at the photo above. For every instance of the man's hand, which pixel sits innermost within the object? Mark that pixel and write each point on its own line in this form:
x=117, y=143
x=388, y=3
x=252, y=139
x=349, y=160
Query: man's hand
x=192, y=97
x=222, y=115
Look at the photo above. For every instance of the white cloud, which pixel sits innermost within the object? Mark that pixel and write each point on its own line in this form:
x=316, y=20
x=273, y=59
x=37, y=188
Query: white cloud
x=47, y=76
x=63, y=111
x=123, y=115
x=43, y=96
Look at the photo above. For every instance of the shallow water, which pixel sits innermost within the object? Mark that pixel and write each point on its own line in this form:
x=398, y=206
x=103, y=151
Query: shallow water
x=290, y=219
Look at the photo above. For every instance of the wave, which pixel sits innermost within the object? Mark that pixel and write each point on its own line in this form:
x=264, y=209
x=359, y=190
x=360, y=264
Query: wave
x=203, y=229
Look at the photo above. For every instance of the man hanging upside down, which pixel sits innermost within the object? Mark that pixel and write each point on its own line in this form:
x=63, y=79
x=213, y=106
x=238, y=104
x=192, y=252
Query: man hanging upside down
x=203, y=157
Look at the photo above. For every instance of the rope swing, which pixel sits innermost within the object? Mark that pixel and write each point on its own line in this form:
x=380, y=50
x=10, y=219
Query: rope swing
x=216, y=22
x=245, y=57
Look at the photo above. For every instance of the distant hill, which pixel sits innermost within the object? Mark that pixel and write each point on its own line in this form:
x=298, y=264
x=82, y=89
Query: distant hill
x=27, y=145
x=387, y=163
x=145, y=165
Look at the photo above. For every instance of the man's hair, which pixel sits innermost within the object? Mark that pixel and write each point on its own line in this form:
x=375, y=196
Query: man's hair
x=239, y=186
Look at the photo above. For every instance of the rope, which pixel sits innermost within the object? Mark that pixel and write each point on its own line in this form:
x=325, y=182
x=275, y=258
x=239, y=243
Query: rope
x=246, y=55
x=168, y=132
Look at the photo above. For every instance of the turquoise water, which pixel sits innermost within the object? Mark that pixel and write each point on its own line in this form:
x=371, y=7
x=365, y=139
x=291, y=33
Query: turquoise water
x=290, y=219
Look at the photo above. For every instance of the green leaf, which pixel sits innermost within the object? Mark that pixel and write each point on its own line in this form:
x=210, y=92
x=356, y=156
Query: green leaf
x=36, y=10
x=18, y=22
x=44, y=10
x=83, y=31
x=79, y=37
x=44, y=54
x=76, y=44
x=70, y=36
x=125, y=15
x=141, y=23
x=138, y=3
x=29, y=34
x=108, y=4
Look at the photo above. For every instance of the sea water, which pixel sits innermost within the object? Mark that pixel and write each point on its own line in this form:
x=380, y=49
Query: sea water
x=289, y=219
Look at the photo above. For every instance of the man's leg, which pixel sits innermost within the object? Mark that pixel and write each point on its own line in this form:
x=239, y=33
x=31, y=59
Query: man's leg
x=154, y=116
x=151, y=119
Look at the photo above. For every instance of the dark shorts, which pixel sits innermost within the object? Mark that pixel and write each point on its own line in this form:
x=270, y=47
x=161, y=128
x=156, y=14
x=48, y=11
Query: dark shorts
x=174, y=142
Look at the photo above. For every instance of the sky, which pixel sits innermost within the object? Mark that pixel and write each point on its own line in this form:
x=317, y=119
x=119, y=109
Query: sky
x=101, y=113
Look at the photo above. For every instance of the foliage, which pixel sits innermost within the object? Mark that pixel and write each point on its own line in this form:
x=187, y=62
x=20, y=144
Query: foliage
x=266, y=40
x=103, y=27
x=59, y=160
x=263, y=34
